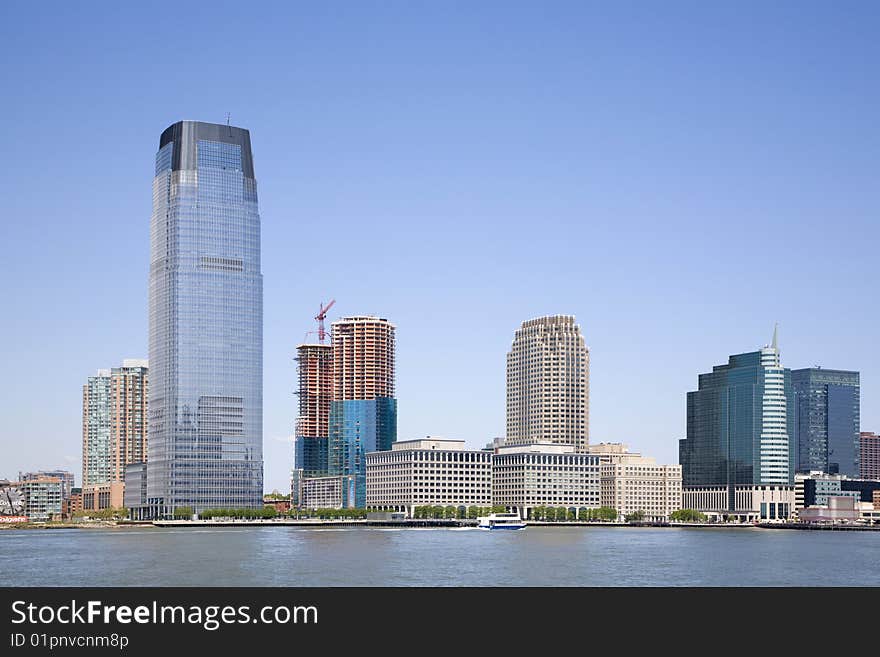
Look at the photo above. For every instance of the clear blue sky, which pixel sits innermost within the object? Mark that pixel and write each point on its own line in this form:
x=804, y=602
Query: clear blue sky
x=678, y=175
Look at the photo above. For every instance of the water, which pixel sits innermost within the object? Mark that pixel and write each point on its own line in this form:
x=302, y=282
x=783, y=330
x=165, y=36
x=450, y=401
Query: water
x=293, y=556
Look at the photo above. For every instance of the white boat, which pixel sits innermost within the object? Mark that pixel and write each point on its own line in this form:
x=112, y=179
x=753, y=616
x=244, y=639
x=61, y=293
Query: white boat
x=500, y=521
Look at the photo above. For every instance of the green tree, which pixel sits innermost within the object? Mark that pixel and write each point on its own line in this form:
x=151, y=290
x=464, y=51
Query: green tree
x=687, y=515
x=583, y=515
x=183, y=513
x=606, y=513
x=449, y=513
x=473, y=512
x=635, y=516
x=572, y=515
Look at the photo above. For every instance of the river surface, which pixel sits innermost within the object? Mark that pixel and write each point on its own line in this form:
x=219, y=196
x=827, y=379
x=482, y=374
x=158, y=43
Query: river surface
x=536, y=556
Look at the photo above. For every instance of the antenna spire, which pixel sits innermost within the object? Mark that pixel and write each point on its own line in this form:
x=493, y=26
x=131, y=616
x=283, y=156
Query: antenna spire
x=228, y=117
x=775, y=344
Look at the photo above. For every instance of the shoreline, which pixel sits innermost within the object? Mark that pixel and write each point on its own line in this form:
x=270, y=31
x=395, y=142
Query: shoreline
x=415, y=524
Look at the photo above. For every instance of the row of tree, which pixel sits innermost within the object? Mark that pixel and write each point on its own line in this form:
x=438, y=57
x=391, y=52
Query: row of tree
x=332, y=514
x=687, y=515
x=266, y=512
x=120, y=513
x=562, y=514
x=454, y=512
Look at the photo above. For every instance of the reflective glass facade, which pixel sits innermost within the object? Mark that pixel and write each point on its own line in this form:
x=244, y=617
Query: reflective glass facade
x=740, y=424
x=206, y=323
x=827, y=420
x=97, y=442
x=310, y=455
x=358, y=427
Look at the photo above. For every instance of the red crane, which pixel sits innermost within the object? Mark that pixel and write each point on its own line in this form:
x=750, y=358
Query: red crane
x=322, y=313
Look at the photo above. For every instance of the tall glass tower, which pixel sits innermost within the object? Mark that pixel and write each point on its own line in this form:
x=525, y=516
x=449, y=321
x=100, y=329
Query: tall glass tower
x=827, y=420
x=206, y=323
x=740, y=424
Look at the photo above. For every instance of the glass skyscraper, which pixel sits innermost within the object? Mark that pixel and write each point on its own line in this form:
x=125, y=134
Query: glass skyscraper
x=206, y=323
x=827, y=420
x=740, y=424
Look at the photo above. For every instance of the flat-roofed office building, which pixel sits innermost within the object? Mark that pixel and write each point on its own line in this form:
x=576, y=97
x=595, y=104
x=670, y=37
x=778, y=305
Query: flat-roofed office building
x=631, y=482
x=544, y=474
x=428, y=472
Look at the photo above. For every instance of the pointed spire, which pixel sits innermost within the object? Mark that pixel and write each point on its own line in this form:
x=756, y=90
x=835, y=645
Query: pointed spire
x=775, y=344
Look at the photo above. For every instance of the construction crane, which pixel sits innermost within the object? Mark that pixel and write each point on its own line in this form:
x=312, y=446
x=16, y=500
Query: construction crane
x=322, y=314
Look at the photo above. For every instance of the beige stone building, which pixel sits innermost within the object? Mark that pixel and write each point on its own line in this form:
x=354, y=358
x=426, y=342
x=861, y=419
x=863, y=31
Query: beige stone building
x=428, y=472
x=548, y=384
x=325, y=492
x=544, y=474
x=751, y=503
x=631, y=482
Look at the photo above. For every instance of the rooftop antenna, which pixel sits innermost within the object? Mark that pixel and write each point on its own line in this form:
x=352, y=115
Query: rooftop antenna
x=227, y=118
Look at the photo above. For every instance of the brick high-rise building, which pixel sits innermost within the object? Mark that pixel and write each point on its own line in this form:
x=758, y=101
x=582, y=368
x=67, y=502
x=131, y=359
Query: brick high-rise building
x=128, y=416
x=869, y=465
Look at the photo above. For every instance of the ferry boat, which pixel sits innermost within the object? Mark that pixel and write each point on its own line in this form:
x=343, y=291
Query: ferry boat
x=500, y=521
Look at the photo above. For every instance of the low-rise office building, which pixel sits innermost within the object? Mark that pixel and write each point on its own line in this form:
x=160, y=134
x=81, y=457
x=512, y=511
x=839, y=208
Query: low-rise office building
x=107, y=495
x=545, y=475
x=428, y=472
x=751, y=502
x=327, y=492
x=814, y=488
x=631, y=483
x=838, y=509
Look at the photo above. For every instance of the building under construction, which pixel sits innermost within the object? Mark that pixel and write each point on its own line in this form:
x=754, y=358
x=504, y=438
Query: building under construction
x=315, y=391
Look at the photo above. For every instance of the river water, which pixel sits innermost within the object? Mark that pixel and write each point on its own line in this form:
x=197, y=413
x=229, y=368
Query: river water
x=536, y=556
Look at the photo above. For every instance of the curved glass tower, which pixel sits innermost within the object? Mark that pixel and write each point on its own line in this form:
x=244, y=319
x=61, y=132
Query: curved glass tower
x=206, y=323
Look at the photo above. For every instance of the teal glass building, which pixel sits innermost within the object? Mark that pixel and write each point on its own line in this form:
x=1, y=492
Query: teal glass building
x=827, y=420
x=205, y=323
x=740, y=424
x=359, y=426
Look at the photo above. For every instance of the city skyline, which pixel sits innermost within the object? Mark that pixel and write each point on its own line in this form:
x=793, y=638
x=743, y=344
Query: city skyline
x=603, y=172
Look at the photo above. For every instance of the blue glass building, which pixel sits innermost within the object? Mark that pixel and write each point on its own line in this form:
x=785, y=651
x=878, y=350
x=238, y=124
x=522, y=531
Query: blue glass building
x=357, y=427
x=206, y=323
x=310, y=455
x=740, y=425
x=827, y=420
